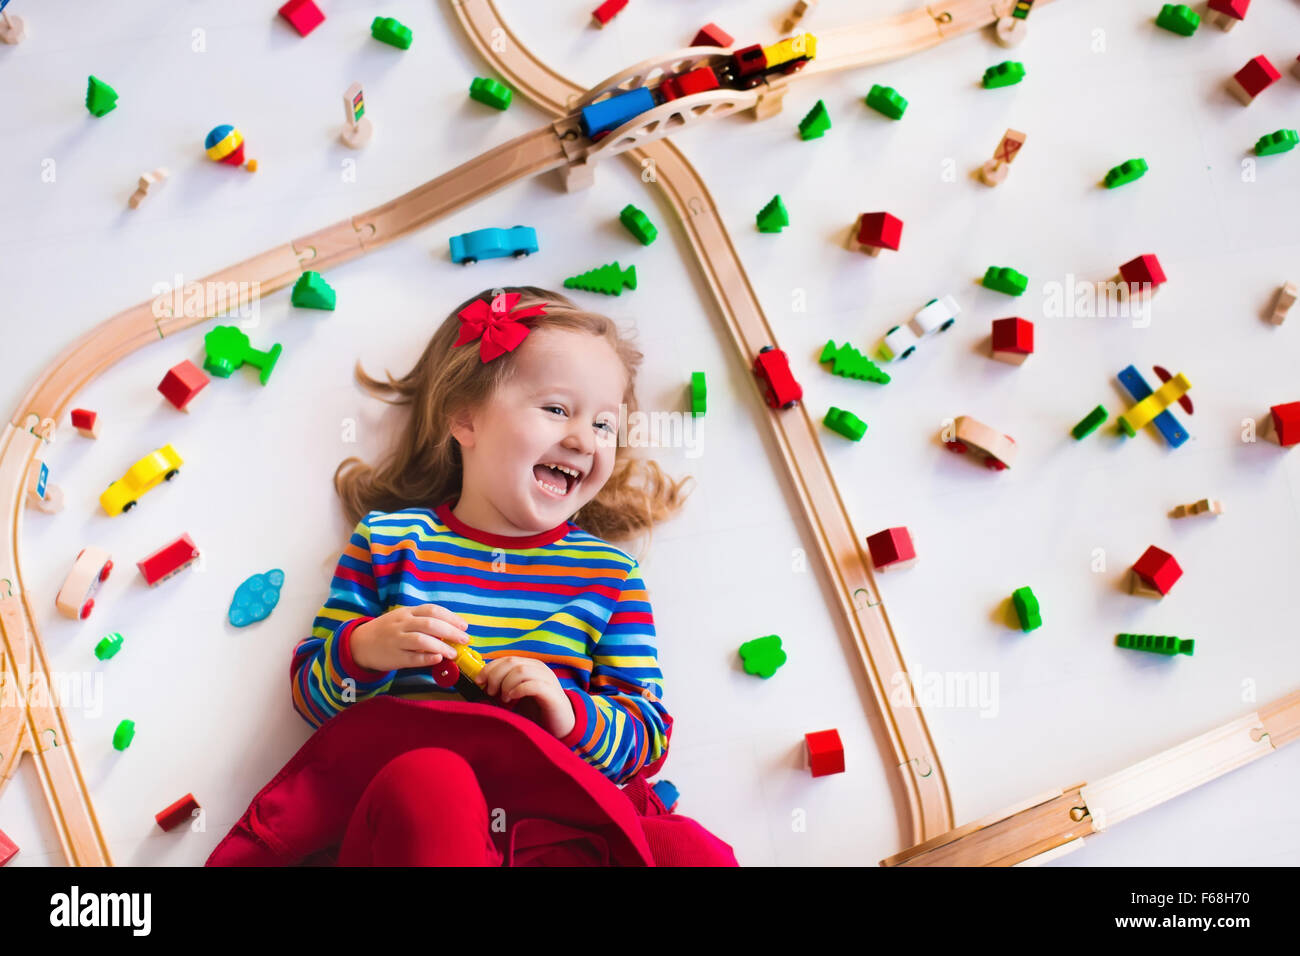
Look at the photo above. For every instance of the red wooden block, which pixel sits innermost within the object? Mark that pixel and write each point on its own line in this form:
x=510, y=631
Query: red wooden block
x=178, y=813
x=881, y=230
x=168, y=560
x=1013, y=339
x=182, y=382
x=8, y=848
x=1143, y=270
x=825, y=752
x=891, y=548
x=1157, y=569
x=713, y=35
x=1232, y=8
x=607, y=10
x=693, y=81
x=1286, y=423
x=303, y=15
x=1253, y=78
x=86, y=422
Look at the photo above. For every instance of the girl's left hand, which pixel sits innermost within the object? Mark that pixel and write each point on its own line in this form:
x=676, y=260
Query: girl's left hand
x=514, y=678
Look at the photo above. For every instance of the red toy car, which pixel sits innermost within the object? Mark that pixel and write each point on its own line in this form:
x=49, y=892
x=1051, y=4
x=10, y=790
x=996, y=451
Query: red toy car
x=168, y=560
x=772, y=367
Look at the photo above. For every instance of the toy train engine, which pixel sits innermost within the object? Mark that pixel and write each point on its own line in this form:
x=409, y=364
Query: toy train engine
x=742, y=70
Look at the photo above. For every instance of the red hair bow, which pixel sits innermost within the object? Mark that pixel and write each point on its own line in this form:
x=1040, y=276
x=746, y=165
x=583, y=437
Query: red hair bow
x=498, y=324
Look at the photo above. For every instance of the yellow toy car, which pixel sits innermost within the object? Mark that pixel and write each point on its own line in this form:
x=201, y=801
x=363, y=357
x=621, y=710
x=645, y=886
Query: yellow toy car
x=122, y=495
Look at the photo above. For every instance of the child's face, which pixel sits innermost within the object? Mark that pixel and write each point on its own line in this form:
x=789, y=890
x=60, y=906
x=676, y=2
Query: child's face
x=560, y=407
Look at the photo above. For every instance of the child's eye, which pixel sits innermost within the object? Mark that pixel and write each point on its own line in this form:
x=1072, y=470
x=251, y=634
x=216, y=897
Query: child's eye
x=606, y=425
x=558, y=408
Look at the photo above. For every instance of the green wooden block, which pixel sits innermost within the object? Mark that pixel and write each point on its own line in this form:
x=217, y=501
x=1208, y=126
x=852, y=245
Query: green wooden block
x=773, y=217
x=638, y=223
x=816, y=123
x=108, y=646
x=1156, y=643
x=1026, y=606
x=699, y=393
x=311, y=291
x=1008, y=73
x=100, y=97
x=1005, y=279
x=846, y=423
x=762, y=656
x=1178, y=18
x=1283, y=141
x=886, y=100
x=1129, y=171
x=124, y=734
x=1091, y=422
x=392, y=32
x=490, y=92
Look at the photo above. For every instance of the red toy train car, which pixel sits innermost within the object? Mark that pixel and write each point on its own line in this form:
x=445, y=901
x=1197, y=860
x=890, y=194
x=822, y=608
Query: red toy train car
x=780, y=390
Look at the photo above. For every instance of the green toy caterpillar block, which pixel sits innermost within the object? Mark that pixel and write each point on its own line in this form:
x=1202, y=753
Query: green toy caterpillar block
x=490, y=92
x=1283, y=141
x=1178, y=18
x=392, y=32
x=886, y=100
x=816, y=123
x=762, y=656
x=1129, y=171
x=846, y=423
x=1156, y=643
x=108, y=646
x=638, y=223
x=1026, y=605
x=608, y=279
x=124, y=734
x=311, y=291
x=773, y=217
x=1008, y=73
x=1005, y=279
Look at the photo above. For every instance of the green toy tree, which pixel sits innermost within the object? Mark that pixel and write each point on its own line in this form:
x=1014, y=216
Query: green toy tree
x=848, y=362
x=608, y=279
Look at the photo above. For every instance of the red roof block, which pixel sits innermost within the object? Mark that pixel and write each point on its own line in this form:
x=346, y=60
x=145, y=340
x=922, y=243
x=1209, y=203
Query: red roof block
x=1143, y=269
x=303, y=15
x=1286, y=423
x=168, y=560
x=891, y=548
x=182, y=382
x=8, y=848
x=713, y=35
x=607, y=10
x=880, y=229
x=1233, y=8
x=1013, y=335
x=825, y=752
x=1256, y=76
x=1157, y=569
x=179, y=812
x=86, y=422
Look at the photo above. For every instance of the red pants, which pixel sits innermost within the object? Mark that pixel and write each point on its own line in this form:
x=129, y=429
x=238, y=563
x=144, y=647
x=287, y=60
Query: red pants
x=423, y=808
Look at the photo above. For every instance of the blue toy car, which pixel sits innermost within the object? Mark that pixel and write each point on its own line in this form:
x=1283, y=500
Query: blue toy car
x=469, y=247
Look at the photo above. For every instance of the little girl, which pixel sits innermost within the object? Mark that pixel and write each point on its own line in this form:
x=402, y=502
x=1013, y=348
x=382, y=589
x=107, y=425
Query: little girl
x=484, y=527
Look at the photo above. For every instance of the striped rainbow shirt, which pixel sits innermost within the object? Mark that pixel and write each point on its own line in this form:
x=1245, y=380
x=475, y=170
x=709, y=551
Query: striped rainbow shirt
x=563, y=596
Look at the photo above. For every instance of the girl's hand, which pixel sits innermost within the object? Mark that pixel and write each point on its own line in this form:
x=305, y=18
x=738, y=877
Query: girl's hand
x=515, y=678
x=408, y=637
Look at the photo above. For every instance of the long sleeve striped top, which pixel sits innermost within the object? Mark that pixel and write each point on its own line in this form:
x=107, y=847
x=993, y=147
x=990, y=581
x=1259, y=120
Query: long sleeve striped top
x=563, y=596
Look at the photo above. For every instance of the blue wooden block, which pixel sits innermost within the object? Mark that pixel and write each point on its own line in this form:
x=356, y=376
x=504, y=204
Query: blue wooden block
x=1165, y=422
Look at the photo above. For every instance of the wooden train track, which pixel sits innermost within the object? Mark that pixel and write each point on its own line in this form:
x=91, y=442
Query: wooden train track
x=40, y=729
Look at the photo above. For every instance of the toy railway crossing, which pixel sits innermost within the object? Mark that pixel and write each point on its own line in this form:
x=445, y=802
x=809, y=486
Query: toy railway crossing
x=1033, y=831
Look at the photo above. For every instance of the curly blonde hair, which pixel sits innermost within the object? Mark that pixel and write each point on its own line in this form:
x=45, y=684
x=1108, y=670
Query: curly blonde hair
x=423, y=469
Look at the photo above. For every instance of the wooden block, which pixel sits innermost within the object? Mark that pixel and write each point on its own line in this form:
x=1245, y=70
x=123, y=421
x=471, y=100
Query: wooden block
x=1206, y=506
x=146, y=181
x=993, y=173
x=798, y=13
x=1286, y=297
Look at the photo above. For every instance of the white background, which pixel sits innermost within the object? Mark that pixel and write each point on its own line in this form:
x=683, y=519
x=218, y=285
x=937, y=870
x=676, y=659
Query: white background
x=211, y=703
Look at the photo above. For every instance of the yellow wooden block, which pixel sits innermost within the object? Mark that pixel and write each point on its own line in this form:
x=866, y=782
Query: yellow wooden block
x=1144, y=412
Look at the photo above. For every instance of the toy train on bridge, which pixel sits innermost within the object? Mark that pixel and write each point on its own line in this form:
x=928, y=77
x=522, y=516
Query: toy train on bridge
x=742, y=70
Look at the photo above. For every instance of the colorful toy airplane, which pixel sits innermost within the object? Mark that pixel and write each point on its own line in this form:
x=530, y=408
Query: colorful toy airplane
x=1152, y=408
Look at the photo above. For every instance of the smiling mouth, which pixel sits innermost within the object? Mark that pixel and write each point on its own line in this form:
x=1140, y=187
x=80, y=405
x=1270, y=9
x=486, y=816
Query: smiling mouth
x=557, y=480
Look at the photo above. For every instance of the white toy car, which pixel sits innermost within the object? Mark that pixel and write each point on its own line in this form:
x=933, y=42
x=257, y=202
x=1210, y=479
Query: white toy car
x=937, y=316
x=76, y=599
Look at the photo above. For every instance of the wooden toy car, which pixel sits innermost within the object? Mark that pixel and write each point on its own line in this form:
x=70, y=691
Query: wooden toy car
x=168, y=560
x=997, y=450
x=492, y=243
x=780, y=390
x=76, y=599
x=938, y=315
x=146, y=474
